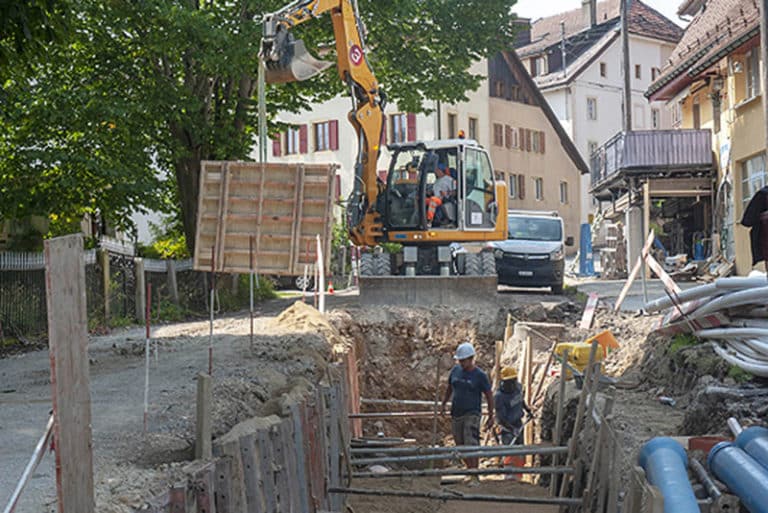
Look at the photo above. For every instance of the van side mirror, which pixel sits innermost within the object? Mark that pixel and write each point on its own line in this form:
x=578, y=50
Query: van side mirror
x=569, y=241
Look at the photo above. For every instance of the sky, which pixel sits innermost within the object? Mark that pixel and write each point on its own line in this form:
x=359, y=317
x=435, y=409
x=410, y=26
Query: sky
x=539, y=8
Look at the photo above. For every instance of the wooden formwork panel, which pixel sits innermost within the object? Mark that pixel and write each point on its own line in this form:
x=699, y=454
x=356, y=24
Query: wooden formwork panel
x=271, y=211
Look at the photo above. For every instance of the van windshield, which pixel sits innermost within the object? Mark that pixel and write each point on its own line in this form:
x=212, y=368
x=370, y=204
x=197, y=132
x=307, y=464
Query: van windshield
x=534, y=228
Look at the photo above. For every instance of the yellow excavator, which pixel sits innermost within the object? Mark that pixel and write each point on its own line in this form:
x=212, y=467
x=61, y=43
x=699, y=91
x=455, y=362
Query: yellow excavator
x=438, y=195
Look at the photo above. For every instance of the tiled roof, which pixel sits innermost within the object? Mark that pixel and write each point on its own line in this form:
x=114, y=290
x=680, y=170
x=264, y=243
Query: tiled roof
x=581, y=59
x=643, y=21
x=720, y=23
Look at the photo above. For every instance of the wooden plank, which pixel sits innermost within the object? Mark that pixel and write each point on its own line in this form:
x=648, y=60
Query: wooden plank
x=635, y=271
x=177, y=498
x=301, y=458
x=231, y=450
x=70, y=373
x=203, y=447
x=267, y=472
x=558, y=435
x=322, y=447
x=281, y=470
x=309, y=417
x=223, y=218
x=204, y=489
x=290, y=465
x=298, y=213
x=589, y=311
x=616, y=468
x=252, y=477
x=223, y=481
x=334, y=453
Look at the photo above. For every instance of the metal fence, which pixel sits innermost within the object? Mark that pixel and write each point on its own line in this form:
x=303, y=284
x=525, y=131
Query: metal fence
x=111, y=296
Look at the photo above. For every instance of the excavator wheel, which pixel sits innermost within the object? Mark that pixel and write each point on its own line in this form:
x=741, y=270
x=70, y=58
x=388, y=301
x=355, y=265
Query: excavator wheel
x=367, y=265
x=382, y=264
x=488, y=263
x=473, y=265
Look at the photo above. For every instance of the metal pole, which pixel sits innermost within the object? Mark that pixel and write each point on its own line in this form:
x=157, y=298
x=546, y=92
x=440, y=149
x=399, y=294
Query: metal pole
x=412, y=402
x=321, y=275
x=705, y=479
x=395, y=414
x=439, y=495
x=262, y=112
x=625, y=8
x=465, y=472
x=437, y=403
x=210, y=331
x=146, y=359
x=445, y=449
x=34, y=461
x=250, y=241
x=499, y=451
x=558, y=435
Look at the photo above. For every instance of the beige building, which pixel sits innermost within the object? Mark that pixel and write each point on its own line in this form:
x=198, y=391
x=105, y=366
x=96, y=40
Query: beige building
x=530, y=149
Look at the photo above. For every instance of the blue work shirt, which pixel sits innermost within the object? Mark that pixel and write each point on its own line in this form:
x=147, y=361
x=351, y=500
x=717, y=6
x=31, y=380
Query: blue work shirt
x=509, y=407
x=468, y=388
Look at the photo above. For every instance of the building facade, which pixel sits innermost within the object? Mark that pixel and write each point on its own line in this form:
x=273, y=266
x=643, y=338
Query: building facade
x=712, y=81
x=575, y=58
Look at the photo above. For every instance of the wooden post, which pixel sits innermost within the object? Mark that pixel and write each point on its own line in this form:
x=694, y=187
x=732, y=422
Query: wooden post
x=559, y=422
x=70, y=376
x=497, y=363
x=203, y=449
x=141, y=290
x=105, y=281
x=173, y=286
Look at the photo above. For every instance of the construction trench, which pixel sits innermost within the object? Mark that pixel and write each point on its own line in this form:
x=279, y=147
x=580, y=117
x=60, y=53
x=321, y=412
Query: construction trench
x=285, y=403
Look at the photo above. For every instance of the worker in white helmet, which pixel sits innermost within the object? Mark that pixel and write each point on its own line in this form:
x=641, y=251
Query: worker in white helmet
x=467, y=383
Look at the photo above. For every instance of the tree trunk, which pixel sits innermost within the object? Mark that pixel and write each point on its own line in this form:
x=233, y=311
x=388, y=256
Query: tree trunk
x=188, y=180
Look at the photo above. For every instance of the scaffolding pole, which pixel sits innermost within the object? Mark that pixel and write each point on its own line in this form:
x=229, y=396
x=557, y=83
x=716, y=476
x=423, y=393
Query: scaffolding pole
x=457, y=496
x=465, y=472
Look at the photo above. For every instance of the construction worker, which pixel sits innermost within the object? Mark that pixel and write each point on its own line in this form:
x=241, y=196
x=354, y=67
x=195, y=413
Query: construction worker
x=433, y=205
x=510, y=405
x=467, y=383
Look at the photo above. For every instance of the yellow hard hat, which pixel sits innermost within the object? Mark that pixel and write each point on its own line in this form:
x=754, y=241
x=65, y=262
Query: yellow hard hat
x=508, y=373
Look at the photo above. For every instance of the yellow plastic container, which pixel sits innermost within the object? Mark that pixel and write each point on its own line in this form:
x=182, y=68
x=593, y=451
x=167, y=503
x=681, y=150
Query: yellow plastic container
x=606, y=340
x=578, y=354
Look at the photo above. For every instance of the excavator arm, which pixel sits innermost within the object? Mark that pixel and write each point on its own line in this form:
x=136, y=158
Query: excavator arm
x=287, y=60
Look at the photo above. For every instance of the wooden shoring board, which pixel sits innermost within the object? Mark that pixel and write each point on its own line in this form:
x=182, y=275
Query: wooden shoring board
x=252, y=477
x=354, y=390
x=334, y=452
x=177, y=498
x=329, y=212
x=269, y=489
x=70, y=373
x=299, y=441
x=221, y=232
x=282, y=475
x=589, y=311
x=201, y=252
x=224, y=486
x=291, y=464
x=322, y=448
x=204, y=488
x=309, y=416
x=231, y=450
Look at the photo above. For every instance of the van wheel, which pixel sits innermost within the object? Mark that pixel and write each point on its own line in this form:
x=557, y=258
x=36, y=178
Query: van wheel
x=300, y=282
x=557, y=289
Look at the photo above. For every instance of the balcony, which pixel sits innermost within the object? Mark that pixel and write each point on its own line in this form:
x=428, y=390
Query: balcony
x=650, y=153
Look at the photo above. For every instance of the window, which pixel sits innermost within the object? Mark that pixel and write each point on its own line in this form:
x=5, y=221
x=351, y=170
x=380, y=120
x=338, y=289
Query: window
x=753, y=177
x=592, y=108
x=655, y=119
x=534, y=66
x=322, y=135
x=753, y=73
x=510, y=137
x=638, y=71
x=498, y=134
x=514, y=94
x=538, y=187
x=564, y=193
x=451, y=125
x=398, y=127
x=655, y=73
x=535, y=142
x=513, y=186
x=677, y=115
x=696, y=113
x=292, y=141
x=603, y=71
x=473, y=128
x=498, y=89
x=591, y=148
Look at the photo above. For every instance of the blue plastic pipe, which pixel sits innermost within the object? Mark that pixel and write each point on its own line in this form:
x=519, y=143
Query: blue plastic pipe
x=754, y=441
x=666, y=467
x=741, y=474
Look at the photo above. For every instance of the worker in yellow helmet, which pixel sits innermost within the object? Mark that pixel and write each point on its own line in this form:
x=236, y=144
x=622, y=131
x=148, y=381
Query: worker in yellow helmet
x=510, y=406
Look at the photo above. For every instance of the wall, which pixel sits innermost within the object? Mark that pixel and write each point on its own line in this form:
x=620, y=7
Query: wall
x=554, y=165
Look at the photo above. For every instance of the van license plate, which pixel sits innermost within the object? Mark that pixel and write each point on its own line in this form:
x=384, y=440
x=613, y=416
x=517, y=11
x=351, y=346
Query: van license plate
x=525, y=273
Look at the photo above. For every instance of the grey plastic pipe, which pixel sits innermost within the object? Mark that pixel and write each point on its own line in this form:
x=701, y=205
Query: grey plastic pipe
x=741, y=361
x=733, y=333
x=719, y=286
x=744, y=476
x=665, y=463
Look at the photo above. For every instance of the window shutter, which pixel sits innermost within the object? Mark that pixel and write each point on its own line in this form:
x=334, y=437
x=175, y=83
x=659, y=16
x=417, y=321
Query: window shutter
x=333, y=134
x=508, y=136
x=276, y=149
x=383, y=141
x=541, y=144
x=521, y=138
x=303, y=143
x=337, y=186
x=527, y=140
x=521, y=186
x=411, y=126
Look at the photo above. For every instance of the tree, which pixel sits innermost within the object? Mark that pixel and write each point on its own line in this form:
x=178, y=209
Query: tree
x=27, y=25
x=157, y=86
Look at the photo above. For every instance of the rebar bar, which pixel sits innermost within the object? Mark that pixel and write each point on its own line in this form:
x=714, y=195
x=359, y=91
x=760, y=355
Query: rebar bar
x=446, y=449
x=443, y=496
x=465, y=472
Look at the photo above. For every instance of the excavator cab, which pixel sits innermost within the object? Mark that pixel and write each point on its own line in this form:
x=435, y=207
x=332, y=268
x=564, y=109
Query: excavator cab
x=285, y=57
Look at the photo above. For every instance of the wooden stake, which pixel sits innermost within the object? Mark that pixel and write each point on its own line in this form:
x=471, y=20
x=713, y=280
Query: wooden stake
x=557, y=439
x=213, y=292
x=70, y=375
x=250, y=245
x=203, y=447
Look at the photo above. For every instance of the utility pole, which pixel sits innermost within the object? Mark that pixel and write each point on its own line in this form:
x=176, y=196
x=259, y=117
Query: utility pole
x=625, y=6
x=764, y=58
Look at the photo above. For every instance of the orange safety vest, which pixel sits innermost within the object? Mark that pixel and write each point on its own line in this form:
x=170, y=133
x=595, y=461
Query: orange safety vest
x=432, y=203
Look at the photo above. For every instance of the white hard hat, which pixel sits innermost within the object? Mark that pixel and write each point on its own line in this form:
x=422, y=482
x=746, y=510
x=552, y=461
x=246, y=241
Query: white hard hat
x=465, y=350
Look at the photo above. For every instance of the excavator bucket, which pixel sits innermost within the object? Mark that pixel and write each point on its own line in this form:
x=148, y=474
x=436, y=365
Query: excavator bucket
x=294, y=63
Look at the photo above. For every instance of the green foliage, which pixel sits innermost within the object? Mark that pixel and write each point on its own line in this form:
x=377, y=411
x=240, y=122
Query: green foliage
x=739, y=374
x=169, y=241
x=116, y=117
x=168, y=311
x=391, y=247
x=682, y=341
x=26, y=26
x=232, y=302
x=121, y=322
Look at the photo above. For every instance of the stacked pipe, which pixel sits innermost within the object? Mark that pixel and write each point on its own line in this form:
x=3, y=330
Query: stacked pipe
x=730, y=311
